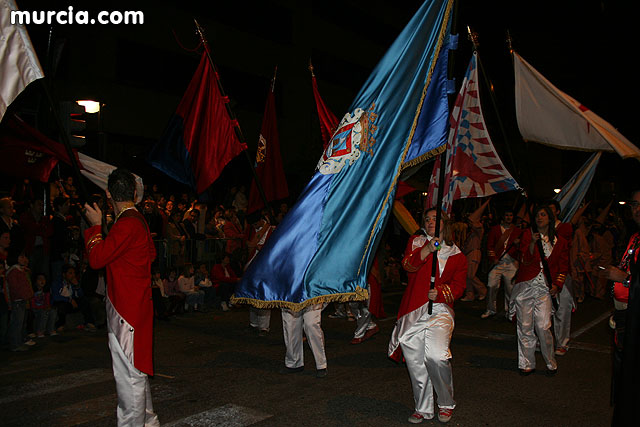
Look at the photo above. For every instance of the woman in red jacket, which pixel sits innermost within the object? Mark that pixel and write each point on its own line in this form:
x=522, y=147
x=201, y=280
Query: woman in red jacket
x=531, y=298
x=422, y=337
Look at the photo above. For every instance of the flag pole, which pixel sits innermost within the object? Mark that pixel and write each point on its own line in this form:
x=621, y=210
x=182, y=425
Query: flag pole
x=443, y=162
x=65, y=141
x=474, y=37
x=526, y=143
x=232, y=116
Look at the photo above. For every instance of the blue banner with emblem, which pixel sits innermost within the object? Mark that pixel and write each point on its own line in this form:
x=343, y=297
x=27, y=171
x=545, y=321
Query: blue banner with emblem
x=324, y=247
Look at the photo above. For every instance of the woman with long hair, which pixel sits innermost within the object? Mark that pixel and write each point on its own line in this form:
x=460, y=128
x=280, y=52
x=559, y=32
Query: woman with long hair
x=531, y=300
x=423, y=337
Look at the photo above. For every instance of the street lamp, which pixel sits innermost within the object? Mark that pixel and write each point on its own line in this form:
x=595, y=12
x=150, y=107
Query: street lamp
x=89, y=105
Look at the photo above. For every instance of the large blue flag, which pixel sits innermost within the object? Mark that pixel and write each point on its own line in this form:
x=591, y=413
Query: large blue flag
x=323, y=248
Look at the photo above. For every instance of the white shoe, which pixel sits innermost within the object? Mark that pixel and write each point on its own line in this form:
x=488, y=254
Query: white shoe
x=487, y=314
x=30, y=342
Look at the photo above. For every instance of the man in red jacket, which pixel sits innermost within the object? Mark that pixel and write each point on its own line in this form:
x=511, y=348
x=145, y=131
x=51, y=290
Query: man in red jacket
x=127, y=253
x=501, y=247
x=566, y=302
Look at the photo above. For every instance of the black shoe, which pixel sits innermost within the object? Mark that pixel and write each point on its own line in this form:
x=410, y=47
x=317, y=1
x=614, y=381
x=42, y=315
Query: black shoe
x=321, y=373
x=526, y=373
x=551, y=372
x=287, y=370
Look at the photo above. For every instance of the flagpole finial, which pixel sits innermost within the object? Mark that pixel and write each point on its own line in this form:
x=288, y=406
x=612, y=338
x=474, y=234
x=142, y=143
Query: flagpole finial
x=273, y=80
x=474, y=37
x=311, y=68
x=200, y=32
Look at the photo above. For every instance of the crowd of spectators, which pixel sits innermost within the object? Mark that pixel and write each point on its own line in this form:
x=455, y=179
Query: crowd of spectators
x=202, y=249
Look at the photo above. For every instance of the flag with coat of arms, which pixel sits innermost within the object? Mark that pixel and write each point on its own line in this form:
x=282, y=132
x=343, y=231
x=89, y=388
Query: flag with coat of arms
x=324, y=247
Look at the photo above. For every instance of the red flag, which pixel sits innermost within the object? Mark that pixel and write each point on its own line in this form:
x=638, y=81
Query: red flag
x=200, y=139
x=27, y=153
x=328, y=122
x=268, y=161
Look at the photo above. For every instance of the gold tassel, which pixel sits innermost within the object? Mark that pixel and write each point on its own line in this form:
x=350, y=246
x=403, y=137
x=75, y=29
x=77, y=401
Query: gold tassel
x=360, y=294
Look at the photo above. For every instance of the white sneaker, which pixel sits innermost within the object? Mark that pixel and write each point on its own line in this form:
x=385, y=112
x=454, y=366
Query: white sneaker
x=30, y=342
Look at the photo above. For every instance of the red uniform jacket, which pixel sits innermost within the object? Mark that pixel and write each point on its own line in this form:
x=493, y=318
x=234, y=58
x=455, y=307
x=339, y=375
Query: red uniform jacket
x=450, y=285
x=530, y=263
x=495, y=242
x=127, y=253
x=218, y=276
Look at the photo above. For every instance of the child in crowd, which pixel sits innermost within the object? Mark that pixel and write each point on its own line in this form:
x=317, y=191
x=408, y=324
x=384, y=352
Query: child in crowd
x=44, y=314
x=20, y=293
x=172, y=290
x=203, y=282
x=160, y=299
x=194, y=297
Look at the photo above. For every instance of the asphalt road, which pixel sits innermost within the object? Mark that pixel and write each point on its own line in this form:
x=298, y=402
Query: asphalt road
x=211, y=371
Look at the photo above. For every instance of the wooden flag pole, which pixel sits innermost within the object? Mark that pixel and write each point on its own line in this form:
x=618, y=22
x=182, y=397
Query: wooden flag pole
x=232, y=116
x=474, y=37
x=443, y=164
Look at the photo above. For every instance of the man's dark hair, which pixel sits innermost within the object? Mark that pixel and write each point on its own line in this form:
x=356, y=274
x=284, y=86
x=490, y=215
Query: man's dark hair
x=59, y=201
x=121, y=185
x=555, y=203
x=66, y=268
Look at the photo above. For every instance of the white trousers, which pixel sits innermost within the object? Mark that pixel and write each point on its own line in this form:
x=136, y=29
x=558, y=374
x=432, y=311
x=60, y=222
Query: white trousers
x=505, y=270
x=425, y=346
x=293, y=324
x=134, y=392
x=533, y=311
x=562, y=317
x=260, y=318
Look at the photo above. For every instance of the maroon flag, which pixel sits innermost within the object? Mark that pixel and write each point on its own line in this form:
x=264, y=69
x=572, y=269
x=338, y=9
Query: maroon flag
x=27, y=153
x=328, y=121
x=268, y=161
x=201, y=136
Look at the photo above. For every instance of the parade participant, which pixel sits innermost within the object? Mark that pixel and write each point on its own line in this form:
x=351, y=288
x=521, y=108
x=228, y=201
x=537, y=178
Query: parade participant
x=501, y=246
x=622, y=278
x=423, y=337
x=294, y=323
x=259, y=318
x=127, y=252
x=544, y=264
x=602, y=244
x=566, y=301
x=364, y=311
x=472, y=249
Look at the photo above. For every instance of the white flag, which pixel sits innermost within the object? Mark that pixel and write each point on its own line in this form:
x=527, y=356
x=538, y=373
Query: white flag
x=549, y=116
x=19, y=64
x=98, y=173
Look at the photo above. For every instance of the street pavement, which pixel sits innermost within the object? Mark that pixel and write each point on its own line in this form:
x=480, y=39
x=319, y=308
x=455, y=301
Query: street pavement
x=212, y=371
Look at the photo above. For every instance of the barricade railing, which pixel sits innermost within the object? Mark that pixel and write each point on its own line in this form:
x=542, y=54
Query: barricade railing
x=176, y=253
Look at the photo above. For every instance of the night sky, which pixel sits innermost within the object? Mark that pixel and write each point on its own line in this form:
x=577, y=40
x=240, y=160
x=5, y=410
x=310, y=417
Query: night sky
x=140, y=72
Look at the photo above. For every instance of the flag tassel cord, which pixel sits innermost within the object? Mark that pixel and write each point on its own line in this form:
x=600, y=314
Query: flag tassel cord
x=473, y=37
x=232, y=116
